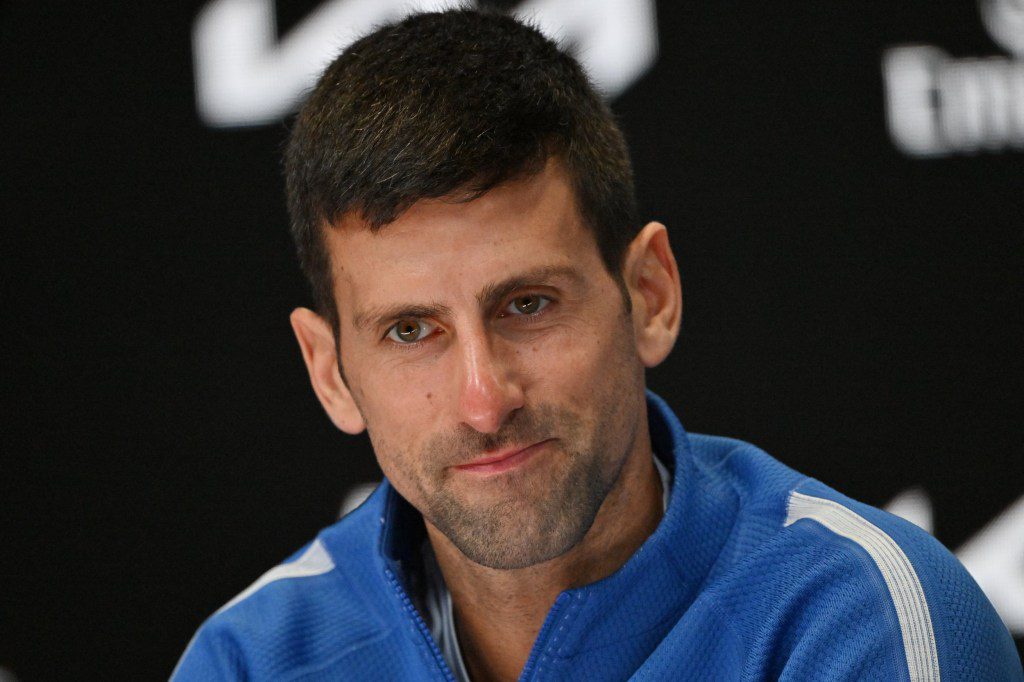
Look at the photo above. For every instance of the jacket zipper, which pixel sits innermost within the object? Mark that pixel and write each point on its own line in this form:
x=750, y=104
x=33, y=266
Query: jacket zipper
x=541, y=642
x=410, y=609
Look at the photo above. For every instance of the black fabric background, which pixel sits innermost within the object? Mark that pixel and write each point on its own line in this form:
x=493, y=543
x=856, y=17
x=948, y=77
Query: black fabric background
x=857, y=313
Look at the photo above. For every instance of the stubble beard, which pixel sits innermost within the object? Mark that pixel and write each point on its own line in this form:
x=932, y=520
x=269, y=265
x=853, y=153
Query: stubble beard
x=534, y=516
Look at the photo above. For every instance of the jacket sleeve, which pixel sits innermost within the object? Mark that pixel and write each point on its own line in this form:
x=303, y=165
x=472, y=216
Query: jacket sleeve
x=851, y=636
x=902, y=603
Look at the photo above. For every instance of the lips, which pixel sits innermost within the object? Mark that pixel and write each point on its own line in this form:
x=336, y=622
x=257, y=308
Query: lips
x=504, y=460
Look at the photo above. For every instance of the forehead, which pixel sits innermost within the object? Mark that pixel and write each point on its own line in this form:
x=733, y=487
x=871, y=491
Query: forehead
x=442, y=248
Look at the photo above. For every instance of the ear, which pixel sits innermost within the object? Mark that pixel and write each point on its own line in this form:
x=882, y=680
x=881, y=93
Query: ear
x=316, y=340
x=652, y=278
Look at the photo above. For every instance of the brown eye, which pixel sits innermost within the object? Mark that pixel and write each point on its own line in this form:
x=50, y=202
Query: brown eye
x=527, y=305
x=409, y=331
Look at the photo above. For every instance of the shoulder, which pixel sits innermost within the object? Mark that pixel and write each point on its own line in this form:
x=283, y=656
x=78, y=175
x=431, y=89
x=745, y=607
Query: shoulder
x=755, y=477
x=842, y=588
x=301, y=614
x=943, y=620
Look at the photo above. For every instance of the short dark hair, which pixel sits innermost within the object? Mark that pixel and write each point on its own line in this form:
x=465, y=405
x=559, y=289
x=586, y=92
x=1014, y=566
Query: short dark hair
x=445, y=102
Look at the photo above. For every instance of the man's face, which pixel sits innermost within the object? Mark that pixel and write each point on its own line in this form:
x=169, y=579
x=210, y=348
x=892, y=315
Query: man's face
x=493, y=360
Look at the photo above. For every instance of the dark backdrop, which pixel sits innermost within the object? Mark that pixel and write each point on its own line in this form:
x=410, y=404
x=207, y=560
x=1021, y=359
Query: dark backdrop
x=854, y=310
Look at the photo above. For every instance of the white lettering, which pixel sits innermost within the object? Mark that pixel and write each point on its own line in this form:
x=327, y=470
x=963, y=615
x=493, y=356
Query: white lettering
x=246, y=76
x=616, y=40
x=995, y=557
x=910, y=99
x=1004, y=20
x=915, y=506
x=937, y=105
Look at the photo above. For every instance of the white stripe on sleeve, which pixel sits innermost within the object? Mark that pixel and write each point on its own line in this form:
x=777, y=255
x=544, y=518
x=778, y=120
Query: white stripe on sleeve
x=313, y=561
x=899, y=575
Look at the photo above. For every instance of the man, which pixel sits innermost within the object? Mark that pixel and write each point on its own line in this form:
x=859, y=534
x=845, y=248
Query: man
x=487, y=304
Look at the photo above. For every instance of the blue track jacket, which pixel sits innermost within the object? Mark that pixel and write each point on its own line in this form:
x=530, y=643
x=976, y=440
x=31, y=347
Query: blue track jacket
x=754, y=573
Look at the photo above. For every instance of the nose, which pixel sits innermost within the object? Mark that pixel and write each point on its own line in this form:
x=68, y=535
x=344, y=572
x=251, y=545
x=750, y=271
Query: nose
x=488, y=390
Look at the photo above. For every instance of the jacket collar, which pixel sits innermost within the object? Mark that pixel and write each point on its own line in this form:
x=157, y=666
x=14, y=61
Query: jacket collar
x=651, y=590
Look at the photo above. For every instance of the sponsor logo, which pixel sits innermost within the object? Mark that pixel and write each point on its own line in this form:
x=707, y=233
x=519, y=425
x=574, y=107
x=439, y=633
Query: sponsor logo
x=247, y=75
x=937, y=105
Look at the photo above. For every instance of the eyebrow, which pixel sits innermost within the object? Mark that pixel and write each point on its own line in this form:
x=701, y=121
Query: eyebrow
x=488, y=297
x=492, y=294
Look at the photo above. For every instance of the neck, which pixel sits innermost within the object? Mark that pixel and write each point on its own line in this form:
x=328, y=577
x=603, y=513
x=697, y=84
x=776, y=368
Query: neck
x=499, y=612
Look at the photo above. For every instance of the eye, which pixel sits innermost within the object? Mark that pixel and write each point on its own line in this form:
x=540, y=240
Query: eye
x=529, y=304
x=410, y=331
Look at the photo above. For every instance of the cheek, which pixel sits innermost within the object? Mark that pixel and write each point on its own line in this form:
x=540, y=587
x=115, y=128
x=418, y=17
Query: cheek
x=398, y=464
x=396, y=396
x=402, y=415
x=576, y=360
